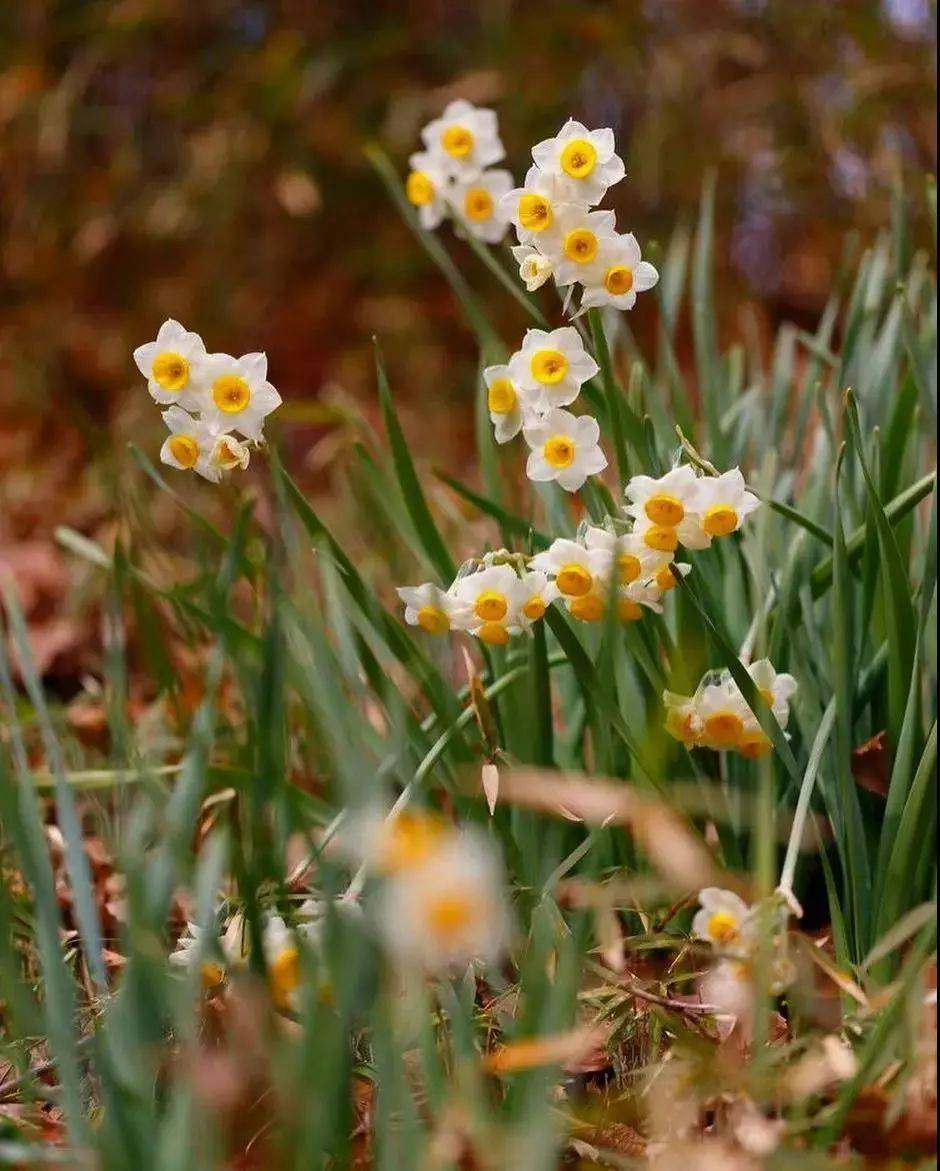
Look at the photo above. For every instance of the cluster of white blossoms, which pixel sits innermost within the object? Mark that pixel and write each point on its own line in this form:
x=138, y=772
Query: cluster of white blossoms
x=718, y=716
x=454, y=174
x=214, y=401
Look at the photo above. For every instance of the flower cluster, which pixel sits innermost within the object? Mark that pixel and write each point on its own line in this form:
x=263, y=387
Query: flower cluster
x=717, y=715
x=454, y=174
x=211, y=400
x=684, y=508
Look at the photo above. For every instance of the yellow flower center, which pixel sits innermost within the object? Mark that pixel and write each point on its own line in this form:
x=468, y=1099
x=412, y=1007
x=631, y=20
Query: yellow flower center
x=724, y=727
x=170, y=370
x=768, y=695
x=478, y=204
x=581, y=246
x=723, y=928
x=549, y=366
x=666, y=579
x=664, y=509
x=618, y=280
x=587, y=609
x=184, y=449
x=628, y=568
x=449, y=915
x=433, y=620
x=457, y=141
x=284, y=974
x=574, y=581
x=534, y=608
x=408, y=840
x=419, y=189
x=578, y=158
x=227, y=455
x=754, y=745
x=535, y=213
x=720, y=520
x=628, y=610
x=559, y=451
x=491, y=606
x=231, y=393
x=493, y=634
x=662, y=538
x=213, y=975
x=501, y=396
x=681, y=725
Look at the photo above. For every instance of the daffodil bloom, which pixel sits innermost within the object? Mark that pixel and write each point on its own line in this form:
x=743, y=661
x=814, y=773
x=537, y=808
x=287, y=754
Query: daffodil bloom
x=553, y=364
x=495, y=599
x=228, y=453
x=722, y=503
x=239, y=396
x=663, y=509
x=477, y=204
x=465, y=139
x=389, y=843
x=536, y=594
x=563, y=448
x=577, y=241
x=584, y=159
x=724, y=920
x=534, y=268
x=429, y=607
x=282, y=957
x=427, y=188
x=635, y=560
x=617, y=275
x=636, y=597
x=213, y=955
x=174, y=366
x=505, y=401
x=574, y=568
x=723, y=713
x=777, y=689
x=534, y=206
x=449, y=912
x=193, y=446
x=683, y=722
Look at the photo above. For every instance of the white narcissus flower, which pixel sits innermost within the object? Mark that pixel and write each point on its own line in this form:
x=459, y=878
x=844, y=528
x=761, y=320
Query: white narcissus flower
x=506, y=402
x=723, y=713
x=777, y=689
x=663, y=509
x=465, y=138
x=632, y=599
x=723, y=502
x=574, y=568
x=533, y=207
x=495, y=598
x=476, y=202
x=448, y=912
x=429, y=607
x=724, y=920
x=174, y=366
x=576, y=242
x=635, y=560
x=283, y=961
x=536, y=594
x=191, y=445
x=564, y=448
x=534, y=267
x=553, y=363
x=213, y=954
x=426, y=187
x=239, y=396
x=584, y=158
x=683, y=721
x=618, y=274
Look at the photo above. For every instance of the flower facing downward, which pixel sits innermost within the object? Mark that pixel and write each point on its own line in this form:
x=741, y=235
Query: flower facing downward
x=477, y=203
x=723, y=502
x=554, y=365
x=723, y=921
x=534, y=267
x=564, y=448
x=239, y=395
x=426, y=188
x=429, y=607
x=174, y=366
x=584, y=159
x=618, y=275
x=465, y=138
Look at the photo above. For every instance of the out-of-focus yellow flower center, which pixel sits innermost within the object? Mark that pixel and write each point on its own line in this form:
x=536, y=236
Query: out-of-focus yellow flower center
x=457, y=141
x=720, y=520
x=227, y=454
x=581, y=246
x=433, y=620
x=618, y=280
x=768, y=695
x=231, y=393
x=493, y=633
x=666, y=579
x=213, y=975
x=284, y=974
x=559, y=451
x=478, y=204
x=754, y=745
x=662, y=538
x=408, y=840
x=501, y=396
x=574, y=581
x=419, y=189
x=587, y=609
x=449, y=915
x=534, y=608
x=535, y=213
x=628, y=568
x=170, y=370
x=578, y=158
x=663, y=509
x=681, y=725
x=491, y=606
x=724, y=727
x=723, y=928
x=549, y=366
x=184, y=449
x=628, y=610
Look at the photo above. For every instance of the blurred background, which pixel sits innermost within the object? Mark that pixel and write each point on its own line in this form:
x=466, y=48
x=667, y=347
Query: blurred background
x=205, y=161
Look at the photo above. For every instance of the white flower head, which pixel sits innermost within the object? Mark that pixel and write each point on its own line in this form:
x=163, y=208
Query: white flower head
x=724, y=714
x=536, y=594
x=554, y=364
x=564, y=448
x=723, y=502
x=636, y=561
x=191, y=445
x=724, y=920
x=282, y=958
x=213, y=954
x=534, y=206
x=427, y=187
x=174, y=366
x=507, y=403
x=495, y=598
x=585, y=159
x=683, y=721
x=636, y=597
x=577, y=241
x=449, y=912
x=464, y=139
x=618, y=274
x=534, y=267
x=664, y=503
x=477, y=203
x=777, y=689
x=433, y=609
x=239, y=396
x=575, y=570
